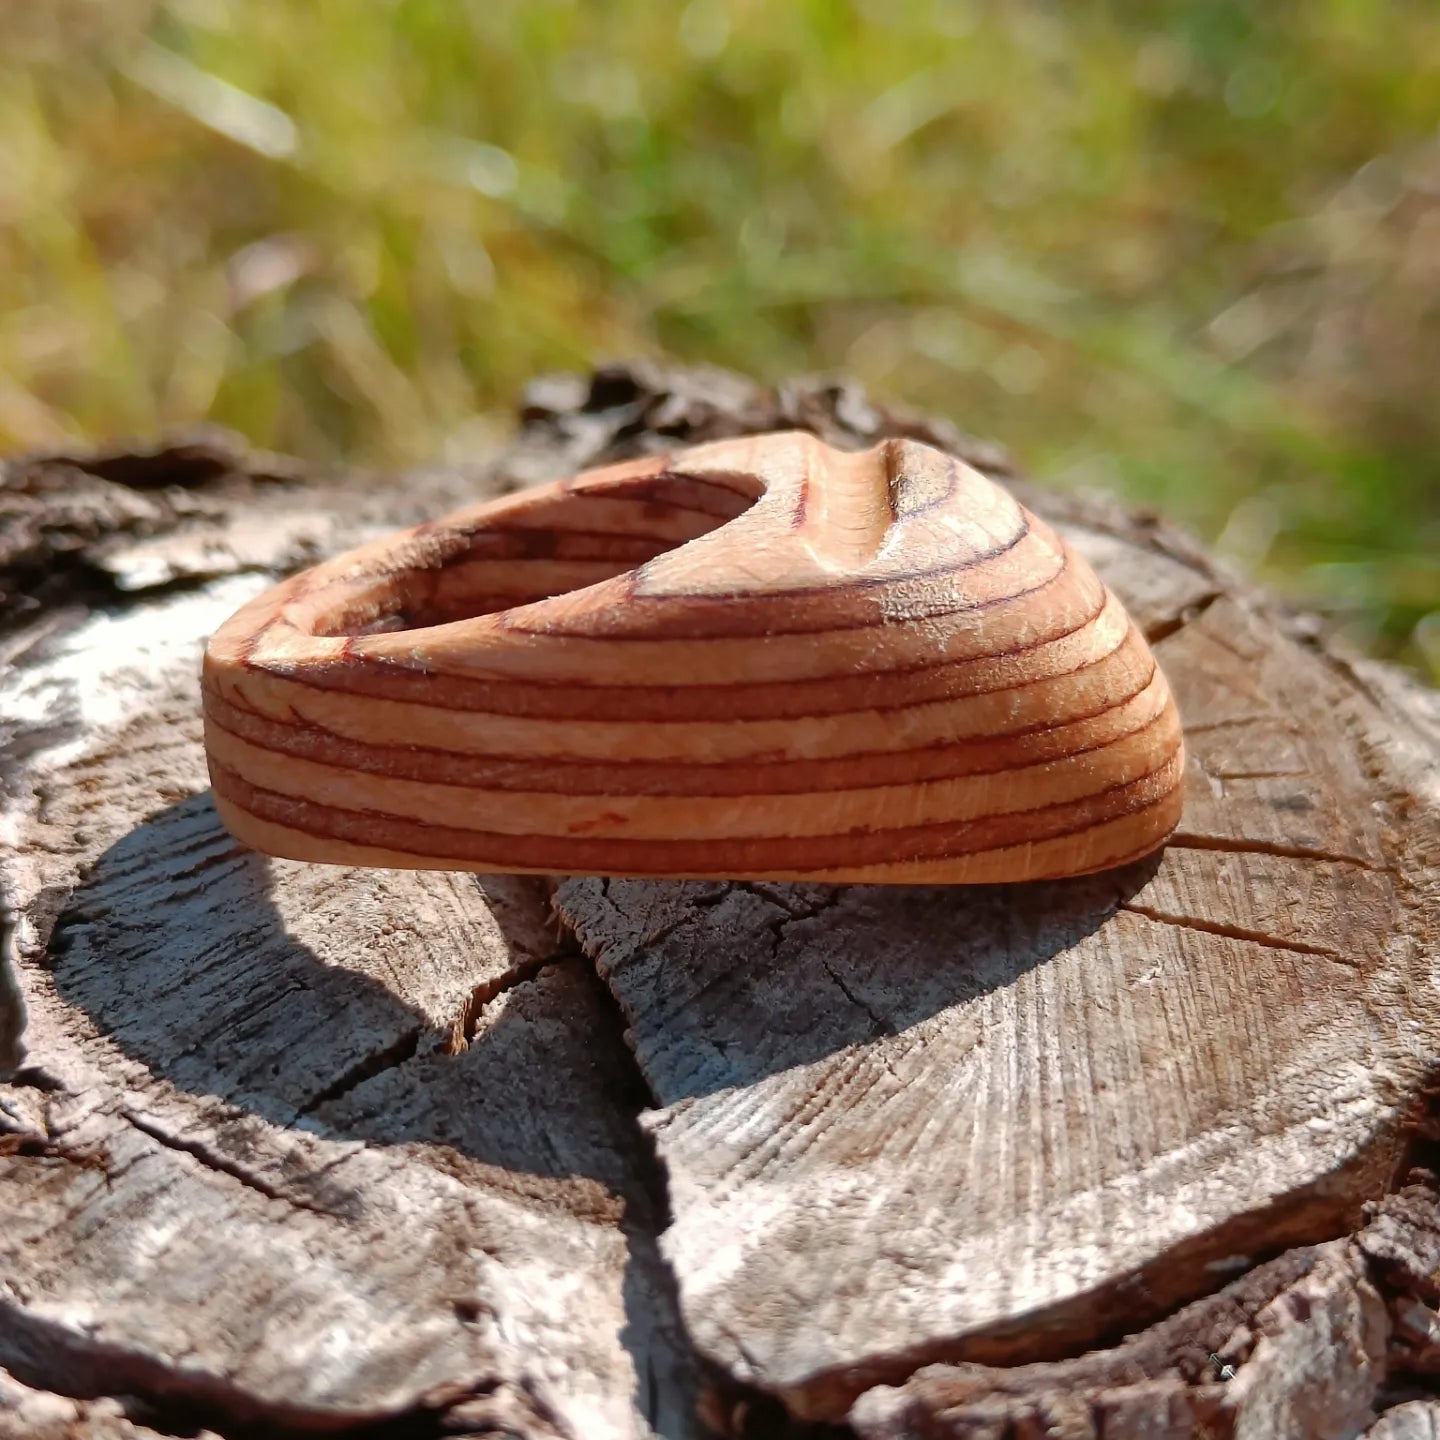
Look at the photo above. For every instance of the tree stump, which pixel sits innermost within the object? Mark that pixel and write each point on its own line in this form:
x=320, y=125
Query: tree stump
x=298, y=1148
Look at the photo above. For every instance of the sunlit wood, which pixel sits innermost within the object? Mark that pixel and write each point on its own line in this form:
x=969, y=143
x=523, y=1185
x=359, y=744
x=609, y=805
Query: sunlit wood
x=763, y=657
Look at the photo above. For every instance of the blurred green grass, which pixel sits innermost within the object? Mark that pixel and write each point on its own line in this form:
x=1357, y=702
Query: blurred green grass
x=1190, y=251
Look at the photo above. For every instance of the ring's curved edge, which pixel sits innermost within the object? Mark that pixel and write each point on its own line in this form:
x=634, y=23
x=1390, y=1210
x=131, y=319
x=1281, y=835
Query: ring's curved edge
x=281, y=635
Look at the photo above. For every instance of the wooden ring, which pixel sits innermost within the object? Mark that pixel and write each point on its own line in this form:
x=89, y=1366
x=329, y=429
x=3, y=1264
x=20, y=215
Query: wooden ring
x=758, y=658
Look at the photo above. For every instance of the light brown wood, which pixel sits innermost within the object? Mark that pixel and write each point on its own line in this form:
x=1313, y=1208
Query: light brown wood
x=252, y=1172
x=762, y=658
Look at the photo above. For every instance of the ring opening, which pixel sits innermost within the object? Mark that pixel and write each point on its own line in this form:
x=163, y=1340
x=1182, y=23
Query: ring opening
x=558, y=540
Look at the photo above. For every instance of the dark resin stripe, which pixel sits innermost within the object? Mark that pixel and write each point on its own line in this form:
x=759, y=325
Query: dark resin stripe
x=578, y=854
x=996, y=753
x=796, y=699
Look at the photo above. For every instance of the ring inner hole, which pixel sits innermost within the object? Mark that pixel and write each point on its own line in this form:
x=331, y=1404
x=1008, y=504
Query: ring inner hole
x=548, y=546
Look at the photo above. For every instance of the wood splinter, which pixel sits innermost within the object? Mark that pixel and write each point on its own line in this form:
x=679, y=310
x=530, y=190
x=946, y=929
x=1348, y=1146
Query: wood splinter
x=758, y=658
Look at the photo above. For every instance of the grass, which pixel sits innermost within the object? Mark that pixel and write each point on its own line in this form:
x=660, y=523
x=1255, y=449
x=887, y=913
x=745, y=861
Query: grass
x=1194, y=257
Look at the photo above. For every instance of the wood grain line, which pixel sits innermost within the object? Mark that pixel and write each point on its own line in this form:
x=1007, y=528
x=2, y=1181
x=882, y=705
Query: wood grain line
x=627, y=776
x=890, y=690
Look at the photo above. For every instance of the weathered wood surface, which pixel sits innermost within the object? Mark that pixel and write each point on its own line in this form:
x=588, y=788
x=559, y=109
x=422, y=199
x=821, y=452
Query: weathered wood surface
x=245, y=1171
x=1410, y=1420
x=921, y=1146
x=1300, y=1346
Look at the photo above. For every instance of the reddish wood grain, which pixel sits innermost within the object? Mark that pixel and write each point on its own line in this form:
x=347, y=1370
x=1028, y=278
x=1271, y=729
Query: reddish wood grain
x=763, y=657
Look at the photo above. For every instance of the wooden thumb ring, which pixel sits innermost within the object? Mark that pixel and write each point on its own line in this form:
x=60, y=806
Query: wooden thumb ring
x=757, y=658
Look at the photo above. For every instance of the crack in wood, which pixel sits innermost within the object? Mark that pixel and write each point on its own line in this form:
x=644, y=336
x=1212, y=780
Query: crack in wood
x=463, y=1028
x=1235, y=932
x=878, y=1023
x=12, y=1011
x=736, y=1407
x=1263, y=774
x=1241, y=722
x=1235, y=845
x=1169, y=625
x=396, y=1053
x=692, y=906
x=1342, y=667
x=222, y=1165
x=776, y=894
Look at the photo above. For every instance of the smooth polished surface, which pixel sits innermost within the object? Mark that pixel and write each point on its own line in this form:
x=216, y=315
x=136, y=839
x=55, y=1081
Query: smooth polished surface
x=757, y=658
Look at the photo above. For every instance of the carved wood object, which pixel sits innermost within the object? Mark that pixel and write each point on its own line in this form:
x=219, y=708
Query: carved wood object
x=289, y=1149
x=759, y=658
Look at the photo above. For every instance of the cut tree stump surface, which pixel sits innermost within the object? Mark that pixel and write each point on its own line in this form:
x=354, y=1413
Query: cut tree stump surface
x=310, y=1147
